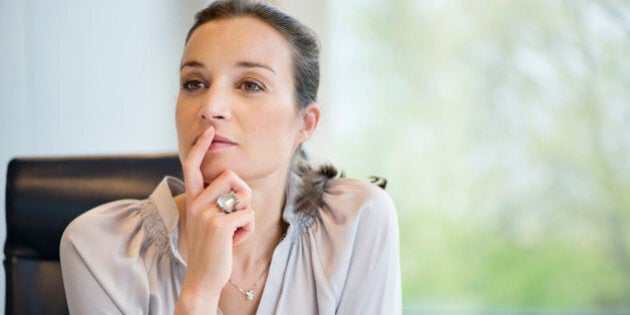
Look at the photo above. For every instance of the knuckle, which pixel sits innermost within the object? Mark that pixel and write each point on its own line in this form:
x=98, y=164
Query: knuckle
x=226, y=174
x=219, y=227
x=247, y=189
x=192, y=209
x=206, y=217
x=212, y=222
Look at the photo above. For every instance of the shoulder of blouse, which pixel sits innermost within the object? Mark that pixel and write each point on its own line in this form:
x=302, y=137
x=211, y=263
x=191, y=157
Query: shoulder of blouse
x=357, y=222
x=109, y=222
x=348, y=200
x=106, y=255
x=102, y=218
x=130, y=223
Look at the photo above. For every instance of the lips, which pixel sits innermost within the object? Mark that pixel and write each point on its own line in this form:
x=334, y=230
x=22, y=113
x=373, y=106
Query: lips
x=220, y=142
x=221, y=139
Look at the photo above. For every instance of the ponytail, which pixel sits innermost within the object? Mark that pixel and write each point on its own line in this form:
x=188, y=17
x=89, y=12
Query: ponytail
x=314, y=181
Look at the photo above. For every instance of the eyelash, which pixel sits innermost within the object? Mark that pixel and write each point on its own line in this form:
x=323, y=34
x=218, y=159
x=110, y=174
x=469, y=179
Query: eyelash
x=193, y=85
x=259, y=87
x=188, y=85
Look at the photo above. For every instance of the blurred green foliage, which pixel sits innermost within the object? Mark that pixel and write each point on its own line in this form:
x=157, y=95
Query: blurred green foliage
x=504, y=130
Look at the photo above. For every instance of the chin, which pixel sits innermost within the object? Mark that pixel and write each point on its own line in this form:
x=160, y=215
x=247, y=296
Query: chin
x=210, y=173
x=246, y=170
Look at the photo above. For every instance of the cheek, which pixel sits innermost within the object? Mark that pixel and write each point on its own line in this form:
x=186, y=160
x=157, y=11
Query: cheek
x=278, y=130
x=179, y=123
x=182, y=124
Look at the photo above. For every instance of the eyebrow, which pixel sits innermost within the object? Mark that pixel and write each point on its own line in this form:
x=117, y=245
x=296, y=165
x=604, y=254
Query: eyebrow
x=241, y=64
x=249, y=64
x=191, y=63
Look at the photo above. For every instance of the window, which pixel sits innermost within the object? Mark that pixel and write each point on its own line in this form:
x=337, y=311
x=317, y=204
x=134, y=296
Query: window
x=504, y=130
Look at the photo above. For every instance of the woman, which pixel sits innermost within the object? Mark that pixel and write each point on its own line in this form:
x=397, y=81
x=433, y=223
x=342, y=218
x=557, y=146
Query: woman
x=253, y=229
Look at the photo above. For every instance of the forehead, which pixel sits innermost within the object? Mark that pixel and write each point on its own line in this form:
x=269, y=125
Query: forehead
x=238, y=39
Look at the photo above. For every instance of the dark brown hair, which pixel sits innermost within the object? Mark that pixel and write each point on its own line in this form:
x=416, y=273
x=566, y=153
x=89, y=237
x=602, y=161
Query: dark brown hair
x=305, y=63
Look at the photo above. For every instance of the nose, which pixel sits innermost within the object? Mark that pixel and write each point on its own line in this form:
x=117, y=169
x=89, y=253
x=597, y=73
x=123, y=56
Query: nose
x=216, y=105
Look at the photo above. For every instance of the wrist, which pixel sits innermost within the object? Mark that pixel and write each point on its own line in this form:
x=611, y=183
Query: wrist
x=195, y=301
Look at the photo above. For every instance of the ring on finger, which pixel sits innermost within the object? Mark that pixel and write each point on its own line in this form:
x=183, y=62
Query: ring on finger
x=227, y=202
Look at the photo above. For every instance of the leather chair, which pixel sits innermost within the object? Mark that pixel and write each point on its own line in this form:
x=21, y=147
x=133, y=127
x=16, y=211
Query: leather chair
x=43, y=195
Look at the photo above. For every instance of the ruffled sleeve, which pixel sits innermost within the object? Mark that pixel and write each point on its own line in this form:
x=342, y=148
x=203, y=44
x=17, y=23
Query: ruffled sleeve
x=99, y=254
x=112, y=255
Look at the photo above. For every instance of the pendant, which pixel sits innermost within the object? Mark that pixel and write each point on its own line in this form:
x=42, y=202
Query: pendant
x=250, y=295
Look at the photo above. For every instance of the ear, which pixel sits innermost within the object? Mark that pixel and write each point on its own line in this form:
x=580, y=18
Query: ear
x=310, y=118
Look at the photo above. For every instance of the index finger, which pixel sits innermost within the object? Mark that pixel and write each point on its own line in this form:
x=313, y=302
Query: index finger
x=191, y=168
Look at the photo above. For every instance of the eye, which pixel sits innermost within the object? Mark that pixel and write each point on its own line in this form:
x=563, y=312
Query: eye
x=252, y=86
x=192, y=85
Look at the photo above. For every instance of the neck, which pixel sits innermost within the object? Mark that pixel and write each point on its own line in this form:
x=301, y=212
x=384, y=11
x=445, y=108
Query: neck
x=268, y=199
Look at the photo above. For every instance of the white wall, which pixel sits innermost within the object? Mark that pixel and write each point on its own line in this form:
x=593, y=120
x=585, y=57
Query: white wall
x=96, y=77
x=88, y=77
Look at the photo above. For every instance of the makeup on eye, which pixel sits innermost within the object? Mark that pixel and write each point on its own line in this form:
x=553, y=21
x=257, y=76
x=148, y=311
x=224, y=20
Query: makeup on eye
x=250, y=80
x=252, y=86
x=249, y=85
x=191, y=85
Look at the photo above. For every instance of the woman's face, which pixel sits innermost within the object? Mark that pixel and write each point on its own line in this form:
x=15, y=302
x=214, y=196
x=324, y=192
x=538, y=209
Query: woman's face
x=236, y=75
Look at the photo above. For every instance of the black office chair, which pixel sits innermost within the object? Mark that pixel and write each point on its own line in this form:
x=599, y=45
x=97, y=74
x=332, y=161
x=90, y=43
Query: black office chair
x=43, y=195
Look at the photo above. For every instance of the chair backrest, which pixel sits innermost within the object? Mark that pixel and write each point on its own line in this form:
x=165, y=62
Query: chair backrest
x=43, y=195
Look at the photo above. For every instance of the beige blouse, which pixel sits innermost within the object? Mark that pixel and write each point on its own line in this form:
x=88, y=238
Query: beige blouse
x=122, y=257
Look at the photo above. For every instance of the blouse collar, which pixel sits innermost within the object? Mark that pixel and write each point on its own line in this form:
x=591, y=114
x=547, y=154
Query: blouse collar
x=162, y=198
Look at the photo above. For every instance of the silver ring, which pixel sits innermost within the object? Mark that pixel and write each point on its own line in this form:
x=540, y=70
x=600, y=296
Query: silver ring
x=227, y=202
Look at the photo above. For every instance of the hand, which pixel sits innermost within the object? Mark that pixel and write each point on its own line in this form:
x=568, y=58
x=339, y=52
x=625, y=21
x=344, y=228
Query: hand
x=211, y=234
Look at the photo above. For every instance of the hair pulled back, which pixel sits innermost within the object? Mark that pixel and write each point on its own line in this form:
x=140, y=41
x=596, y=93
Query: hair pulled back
x=305, y=66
